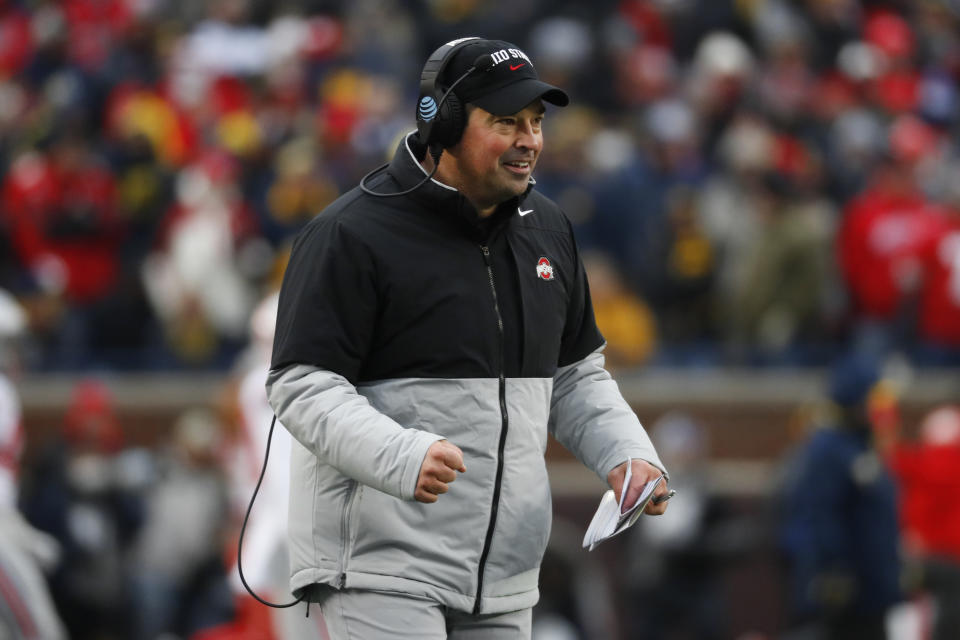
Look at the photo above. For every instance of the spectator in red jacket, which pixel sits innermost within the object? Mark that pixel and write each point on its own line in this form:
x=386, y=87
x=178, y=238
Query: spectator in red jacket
x=939, y=296
x=60, y=213
x=16, y=44
x=879, y=245
x=928, y=473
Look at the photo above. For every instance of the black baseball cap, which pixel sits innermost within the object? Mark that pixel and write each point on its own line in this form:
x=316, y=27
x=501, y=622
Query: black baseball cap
x=506, y=85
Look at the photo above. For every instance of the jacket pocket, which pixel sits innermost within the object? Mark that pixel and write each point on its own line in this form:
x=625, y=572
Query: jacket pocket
x=348, y=526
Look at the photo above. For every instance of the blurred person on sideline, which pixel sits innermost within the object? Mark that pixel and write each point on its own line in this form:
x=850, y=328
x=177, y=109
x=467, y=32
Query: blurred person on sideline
x=840, y=532
x=776, y=314
x=576, y=593
x=266, y=566
x=86, y=491
x=879, y=245
x=61, y=209
x=195, y=278
x=681, y=293
x=928, y=474
x=721, y=74
x=727, y=208
x=435, y=336
x=180, y=583
x=622, y=316
x=672, y=579
x=938, y=304
x=26, y=608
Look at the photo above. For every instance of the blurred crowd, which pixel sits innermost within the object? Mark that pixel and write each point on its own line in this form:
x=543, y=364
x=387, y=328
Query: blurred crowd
x=109, y=532
x=855, y=535
x=758, y=181
x=761, y=182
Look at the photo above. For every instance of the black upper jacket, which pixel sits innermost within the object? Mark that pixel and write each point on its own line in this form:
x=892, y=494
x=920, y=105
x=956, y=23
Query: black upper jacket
x=419, y=262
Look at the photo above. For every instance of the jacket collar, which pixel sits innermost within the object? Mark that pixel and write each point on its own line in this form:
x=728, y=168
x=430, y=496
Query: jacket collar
x=406, y=169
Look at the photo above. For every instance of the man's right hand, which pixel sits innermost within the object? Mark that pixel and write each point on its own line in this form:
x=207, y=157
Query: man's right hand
x=439, y=468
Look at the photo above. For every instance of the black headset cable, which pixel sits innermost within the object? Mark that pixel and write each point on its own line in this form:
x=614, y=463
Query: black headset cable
x=243, y=528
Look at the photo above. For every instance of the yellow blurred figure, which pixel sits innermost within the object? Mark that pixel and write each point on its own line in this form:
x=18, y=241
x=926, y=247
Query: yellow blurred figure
x=623, y=318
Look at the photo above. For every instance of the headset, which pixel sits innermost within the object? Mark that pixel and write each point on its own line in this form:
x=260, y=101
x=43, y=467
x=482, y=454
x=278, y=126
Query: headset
x=441, y=117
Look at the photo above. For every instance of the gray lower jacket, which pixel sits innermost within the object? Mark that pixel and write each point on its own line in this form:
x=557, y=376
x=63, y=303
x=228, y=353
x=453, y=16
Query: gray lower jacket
x=353, y=521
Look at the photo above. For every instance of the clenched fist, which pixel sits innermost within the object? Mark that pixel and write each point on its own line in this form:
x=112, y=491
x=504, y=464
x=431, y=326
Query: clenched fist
x=439, y=468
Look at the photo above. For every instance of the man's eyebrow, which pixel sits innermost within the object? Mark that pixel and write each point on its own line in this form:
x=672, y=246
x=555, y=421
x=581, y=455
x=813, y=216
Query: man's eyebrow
x=540, y=110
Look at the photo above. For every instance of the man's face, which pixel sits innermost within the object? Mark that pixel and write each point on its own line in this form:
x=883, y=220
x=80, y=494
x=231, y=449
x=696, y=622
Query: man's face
x=495, y=157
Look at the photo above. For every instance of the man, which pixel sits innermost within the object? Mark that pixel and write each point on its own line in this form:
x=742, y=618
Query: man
x=880, y=244
x=840, y=532
x=938, y=297
x=928, y=497
x=437, y=336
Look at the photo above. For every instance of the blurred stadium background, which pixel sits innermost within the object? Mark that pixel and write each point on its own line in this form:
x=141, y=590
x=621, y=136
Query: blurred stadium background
x=759, y=187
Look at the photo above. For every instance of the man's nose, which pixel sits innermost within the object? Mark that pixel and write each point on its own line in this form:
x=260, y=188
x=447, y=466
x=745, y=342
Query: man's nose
x=528, y=138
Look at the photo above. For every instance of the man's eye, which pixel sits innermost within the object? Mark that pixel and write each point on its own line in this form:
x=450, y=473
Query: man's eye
x=508, y=121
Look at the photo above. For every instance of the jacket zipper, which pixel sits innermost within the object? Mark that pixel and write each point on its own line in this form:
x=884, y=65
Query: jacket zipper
x=494, y=508
x=345, y=532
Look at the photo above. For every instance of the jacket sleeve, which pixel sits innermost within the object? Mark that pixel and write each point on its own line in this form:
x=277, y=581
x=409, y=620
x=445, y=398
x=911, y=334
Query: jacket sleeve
x=580, y=333
x=324, y=412
x=589, y=416
x=325, y=326
x=328, y=302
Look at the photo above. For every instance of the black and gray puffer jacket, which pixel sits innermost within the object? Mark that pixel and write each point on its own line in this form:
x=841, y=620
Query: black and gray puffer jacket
x=407, y=320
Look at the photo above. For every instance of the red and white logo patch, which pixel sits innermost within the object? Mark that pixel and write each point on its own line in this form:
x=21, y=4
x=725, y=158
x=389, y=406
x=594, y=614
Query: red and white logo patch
x=544, y=269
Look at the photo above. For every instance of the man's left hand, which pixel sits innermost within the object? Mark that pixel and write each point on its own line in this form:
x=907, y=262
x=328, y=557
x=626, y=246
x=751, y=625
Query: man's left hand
x=641, y=473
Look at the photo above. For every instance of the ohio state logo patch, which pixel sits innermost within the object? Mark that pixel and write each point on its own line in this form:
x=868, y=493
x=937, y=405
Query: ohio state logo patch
x=544, y=269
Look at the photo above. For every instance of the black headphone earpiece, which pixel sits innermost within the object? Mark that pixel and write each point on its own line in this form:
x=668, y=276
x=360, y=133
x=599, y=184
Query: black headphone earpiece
x=450, y=123
x=441, y=117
